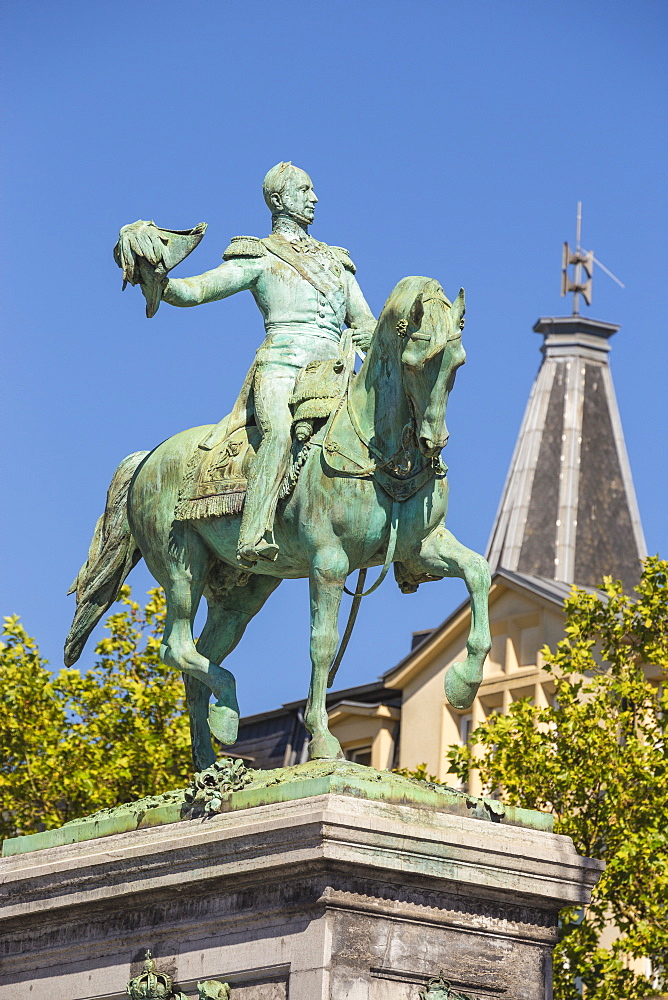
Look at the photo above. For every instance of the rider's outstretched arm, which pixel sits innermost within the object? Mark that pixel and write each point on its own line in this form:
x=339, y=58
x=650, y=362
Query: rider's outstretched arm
x=230, y=277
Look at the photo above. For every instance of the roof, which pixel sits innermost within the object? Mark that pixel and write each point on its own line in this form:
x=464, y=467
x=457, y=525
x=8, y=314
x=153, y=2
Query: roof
x=568, y=510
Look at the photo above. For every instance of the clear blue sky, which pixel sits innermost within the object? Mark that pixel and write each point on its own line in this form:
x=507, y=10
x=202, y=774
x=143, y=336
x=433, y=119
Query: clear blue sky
x=451, y=139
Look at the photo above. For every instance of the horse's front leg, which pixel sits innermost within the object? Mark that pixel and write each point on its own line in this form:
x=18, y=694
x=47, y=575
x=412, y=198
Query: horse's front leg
x=326, y=582
x=442, y=555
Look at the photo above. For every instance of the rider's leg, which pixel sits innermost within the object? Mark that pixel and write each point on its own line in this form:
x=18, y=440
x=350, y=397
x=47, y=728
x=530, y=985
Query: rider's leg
x=272, y=388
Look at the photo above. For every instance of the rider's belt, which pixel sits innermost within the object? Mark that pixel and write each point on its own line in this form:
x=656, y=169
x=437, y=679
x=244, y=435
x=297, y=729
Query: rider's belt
x=299, y=331
x=295, y=349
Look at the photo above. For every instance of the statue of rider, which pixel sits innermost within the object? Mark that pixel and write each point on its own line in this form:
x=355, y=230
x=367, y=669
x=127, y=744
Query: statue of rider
x=306, y=292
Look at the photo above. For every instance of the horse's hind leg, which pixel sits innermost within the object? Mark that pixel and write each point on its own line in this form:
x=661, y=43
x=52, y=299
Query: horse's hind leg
x=442, y=555
x=226, y=622
x=187, y=571
x=198, y=696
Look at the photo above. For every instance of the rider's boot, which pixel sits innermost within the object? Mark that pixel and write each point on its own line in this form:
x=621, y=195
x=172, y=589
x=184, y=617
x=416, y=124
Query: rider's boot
x=256, y=536
x=265, y=548
x=272, y=397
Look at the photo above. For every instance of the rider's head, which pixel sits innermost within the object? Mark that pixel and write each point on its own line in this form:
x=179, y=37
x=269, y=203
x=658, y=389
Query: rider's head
x=289, y=191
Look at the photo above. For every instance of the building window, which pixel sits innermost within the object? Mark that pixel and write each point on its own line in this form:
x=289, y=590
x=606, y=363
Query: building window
x=360, y=755
x=656, y=973
x=465, y=728
x=497, y=654
x=528, y=651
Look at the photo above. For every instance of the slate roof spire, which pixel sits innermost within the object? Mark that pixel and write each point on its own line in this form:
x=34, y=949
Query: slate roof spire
x=568, y=510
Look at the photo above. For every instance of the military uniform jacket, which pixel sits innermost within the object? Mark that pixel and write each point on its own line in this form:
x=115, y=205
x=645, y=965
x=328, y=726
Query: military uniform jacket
x=305, y=291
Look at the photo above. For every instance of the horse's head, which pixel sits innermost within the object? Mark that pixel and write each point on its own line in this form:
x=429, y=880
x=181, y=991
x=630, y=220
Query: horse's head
x=430, y=328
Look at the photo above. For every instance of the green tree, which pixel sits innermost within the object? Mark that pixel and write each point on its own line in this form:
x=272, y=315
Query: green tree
x=75, y=742
x=598, y=761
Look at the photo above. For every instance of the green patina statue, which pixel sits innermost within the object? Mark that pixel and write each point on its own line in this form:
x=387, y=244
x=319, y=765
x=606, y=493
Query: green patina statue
x=316, y=472
x=439, y=988
x=153, y=985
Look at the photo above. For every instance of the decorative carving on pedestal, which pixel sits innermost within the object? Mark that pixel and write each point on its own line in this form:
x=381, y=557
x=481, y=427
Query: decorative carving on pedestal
x=154, y=985
x=211, y=989
x=206, y=790
x=440, y=906
x=439, y=988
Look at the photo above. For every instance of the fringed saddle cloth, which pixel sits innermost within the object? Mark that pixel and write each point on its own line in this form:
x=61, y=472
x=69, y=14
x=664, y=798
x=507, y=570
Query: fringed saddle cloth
x=215, y=480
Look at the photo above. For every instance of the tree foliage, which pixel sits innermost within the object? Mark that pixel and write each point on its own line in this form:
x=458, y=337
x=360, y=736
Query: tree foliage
x=598, y=760
x=418, y=773
x=74, y=742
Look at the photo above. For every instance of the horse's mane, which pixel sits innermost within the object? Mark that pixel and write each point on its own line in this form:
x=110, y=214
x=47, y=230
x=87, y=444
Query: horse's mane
x=397, y=307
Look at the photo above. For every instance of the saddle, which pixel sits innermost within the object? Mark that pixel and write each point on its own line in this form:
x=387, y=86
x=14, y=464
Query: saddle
x=318, y=389
x=216, y=480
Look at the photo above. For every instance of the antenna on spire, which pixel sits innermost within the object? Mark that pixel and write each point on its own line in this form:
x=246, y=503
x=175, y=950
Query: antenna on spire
x=582, y=261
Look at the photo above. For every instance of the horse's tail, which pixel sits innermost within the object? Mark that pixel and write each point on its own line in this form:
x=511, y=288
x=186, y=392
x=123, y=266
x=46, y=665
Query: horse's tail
x=112, y=554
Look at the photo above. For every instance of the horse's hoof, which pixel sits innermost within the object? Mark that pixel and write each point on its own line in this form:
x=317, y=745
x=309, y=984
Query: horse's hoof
x=459, y=690
x=325, y=748
x=224, y=723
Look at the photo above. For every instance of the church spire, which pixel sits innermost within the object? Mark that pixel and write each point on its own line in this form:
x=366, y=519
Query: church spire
x=568, y=510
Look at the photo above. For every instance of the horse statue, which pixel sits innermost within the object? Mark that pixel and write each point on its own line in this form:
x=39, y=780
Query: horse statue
x=370, y=490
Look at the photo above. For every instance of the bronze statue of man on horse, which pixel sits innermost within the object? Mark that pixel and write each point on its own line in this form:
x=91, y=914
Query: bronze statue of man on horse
x=316, y=472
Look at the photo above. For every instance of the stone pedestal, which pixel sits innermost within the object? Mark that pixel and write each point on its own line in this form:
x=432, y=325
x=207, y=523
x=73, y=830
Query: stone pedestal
x=332, y=896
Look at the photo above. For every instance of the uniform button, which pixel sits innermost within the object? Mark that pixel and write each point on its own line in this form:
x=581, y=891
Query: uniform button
x=321, y=314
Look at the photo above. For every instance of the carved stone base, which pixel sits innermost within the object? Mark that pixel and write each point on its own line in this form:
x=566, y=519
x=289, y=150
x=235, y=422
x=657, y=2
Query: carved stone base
x=331, y=897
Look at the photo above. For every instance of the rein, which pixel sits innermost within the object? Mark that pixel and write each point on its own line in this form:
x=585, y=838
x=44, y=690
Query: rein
x=359, y=592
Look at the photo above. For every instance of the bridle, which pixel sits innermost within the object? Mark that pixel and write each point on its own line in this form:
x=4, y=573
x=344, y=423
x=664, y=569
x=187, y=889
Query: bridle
x=403, y=324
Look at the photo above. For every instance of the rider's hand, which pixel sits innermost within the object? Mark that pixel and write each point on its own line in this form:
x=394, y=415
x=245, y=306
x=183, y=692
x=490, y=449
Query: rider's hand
x=361, y=338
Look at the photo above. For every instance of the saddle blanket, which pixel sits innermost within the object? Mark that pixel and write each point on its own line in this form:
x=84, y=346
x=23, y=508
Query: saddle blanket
x=215, y=481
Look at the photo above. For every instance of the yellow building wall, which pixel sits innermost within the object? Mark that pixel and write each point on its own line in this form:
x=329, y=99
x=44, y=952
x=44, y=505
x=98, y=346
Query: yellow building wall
x=375, y=728
x=520, y=626
x=425, y=730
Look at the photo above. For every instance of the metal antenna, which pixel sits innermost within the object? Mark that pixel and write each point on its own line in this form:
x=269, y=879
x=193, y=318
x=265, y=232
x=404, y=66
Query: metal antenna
x=581, y=260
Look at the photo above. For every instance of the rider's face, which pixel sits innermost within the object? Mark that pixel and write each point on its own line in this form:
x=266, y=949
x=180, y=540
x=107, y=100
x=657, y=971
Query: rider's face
x=299, y=198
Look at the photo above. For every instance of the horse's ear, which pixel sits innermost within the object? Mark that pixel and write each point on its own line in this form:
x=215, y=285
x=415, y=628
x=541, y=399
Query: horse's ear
x=459, y=305
x=416, y=312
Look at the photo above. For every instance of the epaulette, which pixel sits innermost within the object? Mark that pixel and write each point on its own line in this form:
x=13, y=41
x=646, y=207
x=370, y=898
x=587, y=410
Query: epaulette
x=245, y=246
x=342, y=254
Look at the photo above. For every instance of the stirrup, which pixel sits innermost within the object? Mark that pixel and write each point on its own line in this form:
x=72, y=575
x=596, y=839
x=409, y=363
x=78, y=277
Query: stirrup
x=248, y=555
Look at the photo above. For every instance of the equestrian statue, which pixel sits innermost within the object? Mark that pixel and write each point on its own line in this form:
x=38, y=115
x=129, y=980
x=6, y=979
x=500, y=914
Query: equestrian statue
x=318, y=470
